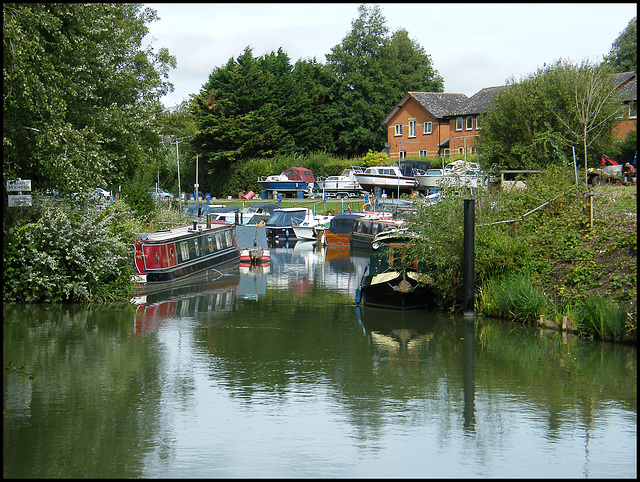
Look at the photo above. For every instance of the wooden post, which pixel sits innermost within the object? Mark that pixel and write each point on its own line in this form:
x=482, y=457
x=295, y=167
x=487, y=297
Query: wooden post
x=564, y=323
x=469, y=256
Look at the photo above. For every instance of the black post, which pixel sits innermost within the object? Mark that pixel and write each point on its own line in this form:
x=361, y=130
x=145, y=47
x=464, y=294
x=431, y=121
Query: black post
x=469, y=256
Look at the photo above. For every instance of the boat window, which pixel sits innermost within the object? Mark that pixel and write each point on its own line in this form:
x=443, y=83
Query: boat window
x=229, y=240
x=196, y=243
x=218, y=242
x=184, y=251
x=210, y=239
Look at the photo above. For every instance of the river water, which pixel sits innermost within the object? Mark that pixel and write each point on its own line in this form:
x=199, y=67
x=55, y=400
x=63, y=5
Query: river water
x=275, y=372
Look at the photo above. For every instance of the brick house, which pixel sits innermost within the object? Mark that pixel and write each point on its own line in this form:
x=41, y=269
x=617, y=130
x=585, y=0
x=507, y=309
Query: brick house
x=430, y=124
x=627, y=86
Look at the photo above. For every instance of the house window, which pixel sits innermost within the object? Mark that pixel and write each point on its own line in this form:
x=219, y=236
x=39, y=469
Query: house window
x=398, y=129
x=460, y=150
x=459, y=123
x=633, y=110
x=422, y=153
x=401, y=155
x=478, y=122
x=412, y=128
x=469, y=123
x=428, y=127
x=447, y=151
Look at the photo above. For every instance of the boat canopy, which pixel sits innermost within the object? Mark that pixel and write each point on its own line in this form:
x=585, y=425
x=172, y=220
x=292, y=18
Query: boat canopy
x=343, y=223
x=288, y=217
x=299, y=174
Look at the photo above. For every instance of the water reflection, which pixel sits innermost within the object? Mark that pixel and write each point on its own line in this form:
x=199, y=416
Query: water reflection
x=248, y=373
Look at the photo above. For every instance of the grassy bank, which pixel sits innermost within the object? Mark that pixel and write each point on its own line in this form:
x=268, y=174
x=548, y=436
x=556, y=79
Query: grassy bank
x=544, y=251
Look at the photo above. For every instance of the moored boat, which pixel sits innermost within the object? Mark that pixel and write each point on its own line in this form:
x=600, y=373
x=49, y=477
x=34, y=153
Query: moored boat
x=174, y=253
x=343, y=184
x=312, y=229
x=366, y=228
x=280, y=224
x=389, y=179
x=292, y=180
x=456, y=174
x=392, y=279
x=255, y=256
x=341, y=226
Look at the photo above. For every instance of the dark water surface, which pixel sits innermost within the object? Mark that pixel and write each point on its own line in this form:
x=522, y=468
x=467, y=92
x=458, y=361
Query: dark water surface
x=276, y=373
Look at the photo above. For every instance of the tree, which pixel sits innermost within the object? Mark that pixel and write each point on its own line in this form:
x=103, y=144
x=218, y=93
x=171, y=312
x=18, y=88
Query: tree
x=242, y=109
x=536, y=122
x=623, y=56
x=595, y=106
x=374, y=71
x=80, y=94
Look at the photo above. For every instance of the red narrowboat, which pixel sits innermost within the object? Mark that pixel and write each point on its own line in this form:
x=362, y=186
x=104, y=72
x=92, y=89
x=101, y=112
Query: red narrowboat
x=170, y=254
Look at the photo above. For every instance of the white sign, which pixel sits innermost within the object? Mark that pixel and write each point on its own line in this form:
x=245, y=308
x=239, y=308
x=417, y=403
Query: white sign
x=19, y=185
x=16, y=200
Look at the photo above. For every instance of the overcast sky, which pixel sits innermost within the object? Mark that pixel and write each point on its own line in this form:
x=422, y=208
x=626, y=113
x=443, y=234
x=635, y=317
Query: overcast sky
x=472, y=46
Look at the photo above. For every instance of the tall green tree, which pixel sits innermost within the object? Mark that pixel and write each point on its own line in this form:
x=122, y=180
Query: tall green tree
x=536, y=122
x=241, y=109
x=623, y=56
x=373, y=71
x=80, y=93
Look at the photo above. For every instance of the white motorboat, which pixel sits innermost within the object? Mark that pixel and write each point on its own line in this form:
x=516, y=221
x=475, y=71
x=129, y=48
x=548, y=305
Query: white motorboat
x=312, y=229
x=458, y=173
x=388, y=178
x=344, y=183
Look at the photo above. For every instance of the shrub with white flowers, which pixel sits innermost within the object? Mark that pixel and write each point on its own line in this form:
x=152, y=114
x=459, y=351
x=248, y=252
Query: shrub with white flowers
x=70, y=253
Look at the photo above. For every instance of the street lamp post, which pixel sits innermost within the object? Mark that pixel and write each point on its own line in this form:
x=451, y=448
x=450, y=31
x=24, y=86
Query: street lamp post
x=177, y=141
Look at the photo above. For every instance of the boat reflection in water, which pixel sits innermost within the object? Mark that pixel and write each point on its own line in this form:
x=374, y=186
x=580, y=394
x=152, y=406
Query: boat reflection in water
x=212, y=292
x=396, y=334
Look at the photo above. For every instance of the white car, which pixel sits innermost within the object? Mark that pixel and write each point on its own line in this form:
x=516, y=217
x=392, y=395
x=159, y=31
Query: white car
x=159, y=194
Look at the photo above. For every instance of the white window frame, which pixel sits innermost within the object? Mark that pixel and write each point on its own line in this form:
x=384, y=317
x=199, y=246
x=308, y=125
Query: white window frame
x=402, y=154
x=422, y=153
x=478, y=122
x=447, y=152
x=412, y=128
x=633, y=109
x=427, y=127
x=398, y=130
x=459, y=123
x=469, y=123
x=460, y=150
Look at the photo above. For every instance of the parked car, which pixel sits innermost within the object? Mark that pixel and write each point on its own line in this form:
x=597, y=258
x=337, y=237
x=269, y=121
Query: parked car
x=102, y=194
x=159, y=194
x=193, y=209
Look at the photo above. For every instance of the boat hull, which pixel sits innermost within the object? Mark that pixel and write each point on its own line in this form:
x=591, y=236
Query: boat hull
x=394, y=290
x=284, y=186
x=388, y=184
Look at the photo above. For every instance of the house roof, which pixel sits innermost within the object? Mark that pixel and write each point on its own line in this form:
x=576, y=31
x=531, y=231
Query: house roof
x=627, y=85
x=438, y=104
x=480, y=102
x=441, y=105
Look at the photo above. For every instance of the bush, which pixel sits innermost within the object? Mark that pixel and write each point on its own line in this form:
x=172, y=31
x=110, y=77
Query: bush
x=70, y=253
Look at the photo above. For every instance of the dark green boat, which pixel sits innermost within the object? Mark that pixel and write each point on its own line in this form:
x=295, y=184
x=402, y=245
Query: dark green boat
x=391, y=280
